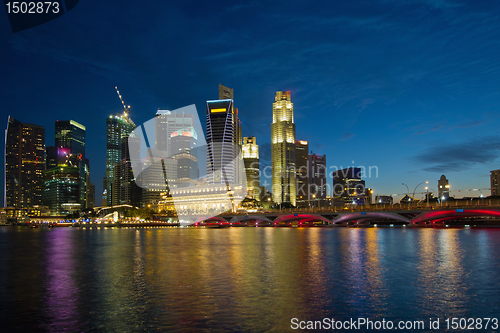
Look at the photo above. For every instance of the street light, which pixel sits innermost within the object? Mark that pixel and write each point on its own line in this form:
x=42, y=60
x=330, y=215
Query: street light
x=406, y=188
x=413, y=196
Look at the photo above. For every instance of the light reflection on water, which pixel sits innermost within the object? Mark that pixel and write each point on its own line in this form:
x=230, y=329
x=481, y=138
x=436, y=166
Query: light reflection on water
x=242, y=279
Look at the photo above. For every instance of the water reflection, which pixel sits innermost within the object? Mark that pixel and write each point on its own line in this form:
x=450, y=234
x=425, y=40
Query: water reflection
x=242, y=279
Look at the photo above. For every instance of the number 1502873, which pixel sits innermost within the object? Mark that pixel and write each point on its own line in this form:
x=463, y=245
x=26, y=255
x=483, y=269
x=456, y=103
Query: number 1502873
x=31, y=7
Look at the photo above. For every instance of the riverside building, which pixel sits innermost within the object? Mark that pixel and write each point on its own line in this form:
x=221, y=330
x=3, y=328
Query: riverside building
x=283, y=150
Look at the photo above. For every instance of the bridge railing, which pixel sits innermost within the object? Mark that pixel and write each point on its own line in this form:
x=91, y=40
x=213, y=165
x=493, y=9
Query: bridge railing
x=422, y=205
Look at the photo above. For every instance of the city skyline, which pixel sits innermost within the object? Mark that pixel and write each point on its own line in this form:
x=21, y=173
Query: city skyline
x=416, y=98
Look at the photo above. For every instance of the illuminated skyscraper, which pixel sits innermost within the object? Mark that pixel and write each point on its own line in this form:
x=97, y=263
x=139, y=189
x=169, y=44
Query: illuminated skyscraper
x=221, y=142
x=67, y=176
x=228, y=93
x=167, y=123
x=24, y=164
x=250, y=152
x=70, y=138
x=118, y=127
x=283, y=149
x=70, y=134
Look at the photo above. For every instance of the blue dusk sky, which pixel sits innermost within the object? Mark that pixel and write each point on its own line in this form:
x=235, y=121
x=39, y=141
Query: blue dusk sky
x=411, y=87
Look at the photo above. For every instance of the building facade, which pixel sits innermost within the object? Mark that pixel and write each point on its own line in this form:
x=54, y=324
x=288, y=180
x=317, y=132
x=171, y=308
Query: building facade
x=24, y=164
x=167, y=123
x=317, y=177
x=283, y=150
x=222, y=147
x=250, y=151
x=117, y=128
x=61, y=191
x=495, y=182
x=348, y=187
x=302, y=165
x=443, y=188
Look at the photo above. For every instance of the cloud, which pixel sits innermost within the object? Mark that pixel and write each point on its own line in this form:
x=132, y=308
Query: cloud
x=418, y=129
x=460, y=156
x=347, y=136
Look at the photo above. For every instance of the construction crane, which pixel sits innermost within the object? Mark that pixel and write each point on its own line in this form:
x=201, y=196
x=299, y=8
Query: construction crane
x=126, y=108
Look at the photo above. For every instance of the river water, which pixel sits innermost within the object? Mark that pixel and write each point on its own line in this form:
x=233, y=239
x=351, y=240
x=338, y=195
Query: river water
x=243, y=279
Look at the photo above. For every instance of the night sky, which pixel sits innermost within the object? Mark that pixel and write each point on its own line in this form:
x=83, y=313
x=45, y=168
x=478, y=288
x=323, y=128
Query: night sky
x=412, y=87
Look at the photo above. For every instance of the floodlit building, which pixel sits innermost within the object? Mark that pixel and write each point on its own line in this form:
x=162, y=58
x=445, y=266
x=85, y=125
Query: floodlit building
x=250, y=152
x=283, y=150
x=202, y=200
x=24, y=164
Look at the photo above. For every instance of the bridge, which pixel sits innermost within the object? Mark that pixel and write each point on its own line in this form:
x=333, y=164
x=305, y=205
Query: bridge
x=412, y=218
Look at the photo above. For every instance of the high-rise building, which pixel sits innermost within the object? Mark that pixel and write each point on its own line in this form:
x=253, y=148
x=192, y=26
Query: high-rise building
x=443, y=188
x=61, y=191
x=495, y=182
x=348, y=187
x=124, y=188
x=302, y=166
x=183, y=144
x=117, y=127
x=70, y=134
x=222, y=147
x=283, y=150
x=158, y=177
x=70, y=144
x=228, y=93
x=250, y=152
x=24, y=164
x=317, y=176
x=167, y=123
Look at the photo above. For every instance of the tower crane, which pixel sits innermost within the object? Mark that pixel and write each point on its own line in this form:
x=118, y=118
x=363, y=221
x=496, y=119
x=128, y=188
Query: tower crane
x=125, y=107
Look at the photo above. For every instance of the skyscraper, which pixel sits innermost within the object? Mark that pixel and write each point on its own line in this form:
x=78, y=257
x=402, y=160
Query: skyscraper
x=222, y=145
x=317, y=176
x=117, y=127
x=228, y=93
x=70, y=137
x=283, y=149
x=61, y=192
x=67, y=176
x=183, y=143
x=250, y=152
x=302, y=165
x=348, y=187
x=167, y=123
x=24, y=164
x=70, y=134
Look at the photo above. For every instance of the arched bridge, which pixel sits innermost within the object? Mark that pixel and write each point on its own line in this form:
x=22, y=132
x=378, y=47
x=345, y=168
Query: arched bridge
x=411, y=218
x=446, y=215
